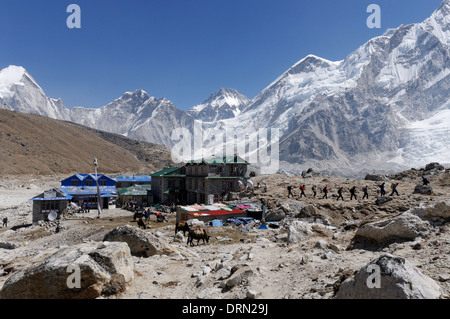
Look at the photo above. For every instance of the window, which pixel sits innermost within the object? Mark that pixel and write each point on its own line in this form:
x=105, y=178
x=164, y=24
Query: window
x=74, y=182
x=236, y=170
x=49, y=205
x=102, y=182
x=89, y=182
x=227, y=185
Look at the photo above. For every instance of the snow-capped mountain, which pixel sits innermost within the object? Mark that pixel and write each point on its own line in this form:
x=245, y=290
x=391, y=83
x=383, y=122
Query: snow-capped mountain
x=20, y=92
x=136, y=115
x=363, y=111
x=223, y=104
x=386, y=106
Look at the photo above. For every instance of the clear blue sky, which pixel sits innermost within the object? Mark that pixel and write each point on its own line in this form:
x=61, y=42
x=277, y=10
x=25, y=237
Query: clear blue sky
x=183, y=50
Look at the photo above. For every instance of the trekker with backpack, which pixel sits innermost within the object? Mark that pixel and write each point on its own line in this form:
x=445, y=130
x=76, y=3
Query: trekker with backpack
x=382, y=190
x=302, y=189
x=340, y=194
x=325, y=191
x=394, y=189
x=353, y=193
x=366, y=192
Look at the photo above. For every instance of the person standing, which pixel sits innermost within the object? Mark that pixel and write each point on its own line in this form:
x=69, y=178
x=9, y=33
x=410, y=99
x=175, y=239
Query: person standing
x=366, y=192
x=353, y=193
x=313, y=188
x=340, y=194
x=325, y=191
x=5, y=222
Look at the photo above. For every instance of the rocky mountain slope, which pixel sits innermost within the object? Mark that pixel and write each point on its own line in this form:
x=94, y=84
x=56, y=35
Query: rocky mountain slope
x=32, y=144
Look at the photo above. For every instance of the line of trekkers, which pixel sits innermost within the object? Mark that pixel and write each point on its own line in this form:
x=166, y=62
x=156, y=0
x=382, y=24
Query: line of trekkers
x=353, y=191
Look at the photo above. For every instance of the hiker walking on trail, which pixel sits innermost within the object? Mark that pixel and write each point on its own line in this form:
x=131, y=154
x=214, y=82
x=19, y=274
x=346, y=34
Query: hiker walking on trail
x=302, y=189
x=5, y=222
x=314, y=190
x=340, y=194
x=366, y=192
x=353, y=192
x=325, y=191
x=289, y=188
x=394, y=189
x=425, y=181
x=382, y=190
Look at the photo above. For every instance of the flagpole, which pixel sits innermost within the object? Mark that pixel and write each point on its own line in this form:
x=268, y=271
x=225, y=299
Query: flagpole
x=98, y=189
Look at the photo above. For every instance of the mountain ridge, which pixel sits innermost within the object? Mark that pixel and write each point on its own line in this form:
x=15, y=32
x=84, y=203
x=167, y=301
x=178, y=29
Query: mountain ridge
x=330, y=114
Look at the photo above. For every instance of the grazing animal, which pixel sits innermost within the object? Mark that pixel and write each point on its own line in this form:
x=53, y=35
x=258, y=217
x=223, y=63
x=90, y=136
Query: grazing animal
x=183, y=226
x=198, y=234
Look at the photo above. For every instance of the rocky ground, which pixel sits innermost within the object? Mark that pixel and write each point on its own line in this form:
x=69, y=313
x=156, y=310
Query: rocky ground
x=276, y=263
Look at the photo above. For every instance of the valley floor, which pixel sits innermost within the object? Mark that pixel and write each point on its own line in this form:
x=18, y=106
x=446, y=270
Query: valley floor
x=277, y=270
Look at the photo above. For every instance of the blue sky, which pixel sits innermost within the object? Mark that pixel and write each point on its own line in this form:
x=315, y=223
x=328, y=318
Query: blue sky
x=183, y=50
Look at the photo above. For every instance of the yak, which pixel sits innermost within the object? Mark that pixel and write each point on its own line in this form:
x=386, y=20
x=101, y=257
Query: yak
x=183, y=226
x=198, y=234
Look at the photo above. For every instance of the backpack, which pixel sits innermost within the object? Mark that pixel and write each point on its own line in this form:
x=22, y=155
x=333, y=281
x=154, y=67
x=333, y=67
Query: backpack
x=392, y=185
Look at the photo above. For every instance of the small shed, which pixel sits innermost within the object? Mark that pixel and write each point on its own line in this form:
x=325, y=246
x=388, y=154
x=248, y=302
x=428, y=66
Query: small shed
x=53, y=201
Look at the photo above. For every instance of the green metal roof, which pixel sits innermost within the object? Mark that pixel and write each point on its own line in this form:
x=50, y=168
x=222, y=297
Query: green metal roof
x=165, y=171
x=220, y=160
x=136, y=190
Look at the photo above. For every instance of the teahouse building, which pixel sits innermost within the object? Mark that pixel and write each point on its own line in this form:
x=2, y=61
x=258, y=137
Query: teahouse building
x=124, y=181
x=53, y=201
x=200, y=181
x=139, y=194
x=83, y=189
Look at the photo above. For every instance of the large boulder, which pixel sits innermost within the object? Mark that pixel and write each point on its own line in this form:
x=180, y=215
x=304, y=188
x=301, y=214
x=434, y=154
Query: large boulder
x=307, y=212
x=423, y=189
x=440, y=209
x=104, y=268
x=298, y=231
x=405, y=226
x=434, y=166
x=383, y=199
x=275, y=215
x=389, y=277
x=141, y=243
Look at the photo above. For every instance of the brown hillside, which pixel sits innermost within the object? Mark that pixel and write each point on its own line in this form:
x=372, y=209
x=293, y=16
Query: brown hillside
x=31, y=144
